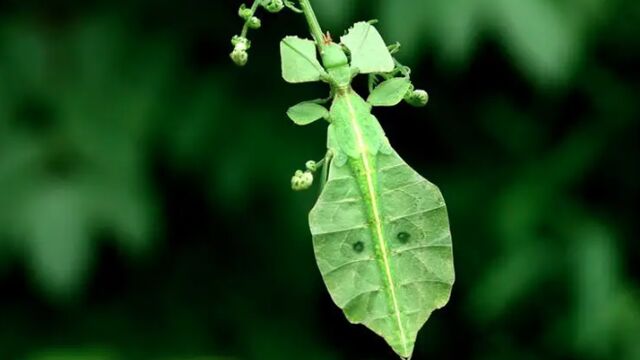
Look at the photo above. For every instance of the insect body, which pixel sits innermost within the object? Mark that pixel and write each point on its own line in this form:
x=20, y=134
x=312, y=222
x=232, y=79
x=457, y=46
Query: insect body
x=380, y=231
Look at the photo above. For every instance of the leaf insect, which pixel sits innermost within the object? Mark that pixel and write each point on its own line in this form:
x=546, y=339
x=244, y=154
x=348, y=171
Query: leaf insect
x=380, y=230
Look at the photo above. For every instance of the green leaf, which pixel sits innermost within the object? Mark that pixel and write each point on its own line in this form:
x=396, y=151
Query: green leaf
x=58, y=241
x=382, y=242
x=369, y=53
x=307, y=112
x=390, y=92
x=299, y=60
x=540, y=38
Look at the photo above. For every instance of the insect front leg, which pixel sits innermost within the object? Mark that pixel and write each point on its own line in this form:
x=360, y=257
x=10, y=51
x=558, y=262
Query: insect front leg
x=325, y=77
x=354, y=72
x=323, y=101
x=326, y=163
x=372, y=81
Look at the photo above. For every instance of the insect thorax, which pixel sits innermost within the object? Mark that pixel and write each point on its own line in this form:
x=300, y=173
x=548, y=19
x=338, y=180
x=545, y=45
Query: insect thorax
x=336, y=63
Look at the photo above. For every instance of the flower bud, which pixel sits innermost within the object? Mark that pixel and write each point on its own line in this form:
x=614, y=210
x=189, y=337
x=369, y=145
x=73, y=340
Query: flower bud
x=301, y=180
x=311, y=165
x=244, y=12
x=239, y=54
x=417, y=98
x=273, y=6
x=237, y=39
x=255, y=23
x=239, y=57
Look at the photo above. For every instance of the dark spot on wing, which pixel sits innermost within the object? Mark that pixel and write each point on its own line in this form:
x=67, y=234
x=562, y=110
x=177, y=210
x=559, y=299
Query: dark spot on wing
x=403, y=237
x=358, y=246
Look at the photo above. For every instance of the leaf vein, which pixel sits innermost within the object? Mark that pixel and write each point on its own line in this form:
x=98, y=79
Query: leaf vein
x=342, y=266
x=420, y=212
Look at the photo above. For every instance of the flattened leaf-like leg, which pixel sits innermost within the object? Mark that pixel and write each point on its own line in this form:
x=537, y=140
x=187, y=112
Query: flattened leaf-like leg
x=418, y=269
x=299, y=60
x=307, y=112
x=369, y=53
x=390, y=92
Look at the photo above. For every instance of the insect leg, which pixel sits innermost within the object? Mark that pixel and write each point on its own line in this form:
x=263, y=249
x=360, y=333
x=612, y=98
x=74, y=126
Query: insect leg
x=372, y=82
x=394, y=48
x=322, y=101
x=326, y=163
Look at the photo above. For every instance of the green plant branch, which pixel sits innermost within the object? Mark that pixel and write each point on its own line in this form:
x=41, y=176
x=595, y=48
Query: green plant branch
x=314, y=25
x=291, y=6
x=245, y=28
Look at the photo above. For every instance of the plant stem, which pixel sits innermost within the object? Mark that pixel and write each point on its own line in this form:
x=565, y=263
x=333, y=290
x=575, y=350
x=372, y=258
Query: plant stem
x=245, y=28
x=314, y=26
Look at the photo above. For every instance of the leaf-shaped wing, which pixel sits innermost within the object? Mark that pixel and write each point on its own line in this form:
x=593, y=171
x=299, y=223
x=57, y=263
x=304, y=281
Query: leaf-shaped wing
x=299, y=61
x=389, y=92
x=369, y=53
x=388, y=270
x=307, y=112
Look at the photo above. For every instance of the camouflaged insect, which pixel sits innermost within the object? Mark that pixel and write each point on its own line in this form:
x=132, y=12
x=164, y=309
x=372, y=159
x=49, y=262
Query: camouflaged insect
x=380, y=230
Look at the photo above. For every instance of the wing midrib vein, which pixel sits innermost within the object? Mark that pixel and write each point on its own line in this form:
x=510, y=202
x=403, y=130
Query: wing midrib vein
x=363, y=150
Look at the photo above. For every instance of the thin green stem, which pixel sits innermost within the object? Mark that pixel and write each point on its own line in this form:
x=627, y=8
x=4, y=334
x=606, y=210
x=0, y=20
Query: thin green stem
x=293, y=8
x=314, y=25
x=245, y=28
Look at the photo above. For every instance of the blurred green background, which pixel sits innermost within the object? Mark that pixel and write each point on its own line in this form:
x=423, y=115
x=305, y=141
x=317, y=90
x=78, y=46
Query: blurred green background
x=145, y=209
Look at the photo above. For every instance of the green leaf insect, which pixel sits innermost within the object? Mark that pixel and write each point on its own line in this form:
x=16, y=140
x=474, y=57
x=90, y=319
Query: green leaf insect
x=380, y=230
